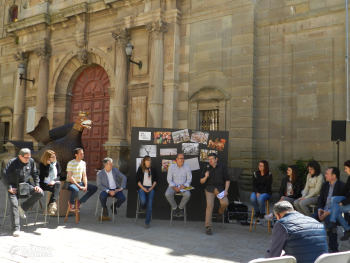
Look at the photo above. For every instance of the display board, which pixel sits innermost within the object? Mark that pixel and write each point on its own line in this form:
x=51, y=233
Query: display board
x=163, y=145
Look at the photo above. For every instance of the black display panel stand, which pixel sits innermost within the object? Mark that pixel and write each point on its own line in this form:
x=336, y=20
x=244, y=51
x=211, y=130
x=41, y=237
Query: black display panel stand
x=161, y=208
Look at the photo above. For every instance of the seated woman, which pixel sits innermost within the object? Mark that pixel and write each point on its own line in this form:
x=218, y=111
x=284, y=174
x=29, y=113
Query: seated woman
x=262, y=182
x=291, y=187
x=146, y=179
x=312, y=189
x=50, y=173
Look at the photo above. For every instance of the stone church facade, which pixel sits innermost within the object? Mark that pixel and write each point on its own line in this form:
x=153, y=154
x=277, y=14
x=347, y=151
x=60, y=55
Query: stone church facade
x=271, y=71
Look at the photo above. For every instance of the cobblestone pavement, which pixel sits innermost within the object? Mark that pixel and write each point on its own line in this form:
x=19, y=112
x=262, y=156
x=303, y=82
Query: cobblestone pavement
x=90, y=241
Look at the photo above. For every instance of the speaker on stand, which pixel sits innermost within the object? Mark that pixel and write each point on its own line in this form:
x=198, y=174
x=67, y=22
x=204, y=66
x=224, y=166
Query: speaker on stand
x=338, y=134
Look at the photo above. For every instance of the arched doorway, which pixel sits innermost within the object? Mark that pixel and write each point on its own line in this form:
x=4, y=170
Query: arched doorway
x=90, y=93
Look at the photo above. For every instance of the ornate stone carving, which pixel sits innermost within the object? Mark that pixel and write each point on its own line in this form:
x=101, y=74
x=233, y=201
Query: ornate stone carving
x=156, y=28
x=121, y=35
x=80, y=39
x=19, y=56
x=109, y=49
x=43, y=51
x=83, y=56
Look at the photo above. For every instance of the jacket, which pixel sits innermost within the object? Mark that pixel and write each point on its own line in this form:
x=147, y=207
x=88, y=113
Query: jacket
x=337, y=191
x=102, y=179
x=346, y=193
x=140, y=174
x=262, y=184
x=45, y=170
x=297, y=188
x=16, y=172
x=313, y=185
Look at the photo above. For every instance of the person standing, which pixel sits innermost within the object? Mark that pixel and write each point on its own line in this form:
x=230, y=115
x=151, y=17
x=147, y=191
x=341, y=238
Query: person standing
x=146, y=179
x=179, y=177
x=111, y=182
x=50, y=174
x=76, y=175
x=216, y=180
x=20, y=170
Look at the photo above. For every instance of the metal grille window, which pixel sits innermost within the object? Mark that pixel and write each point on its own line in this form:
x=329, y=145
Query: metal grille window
x=4, y=135
x=209, y=120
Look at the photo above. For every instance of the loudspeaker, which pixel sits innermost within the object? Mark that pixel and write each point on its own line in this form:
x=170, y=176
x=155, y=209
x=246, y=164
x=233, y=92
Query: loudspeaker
x=338, y=131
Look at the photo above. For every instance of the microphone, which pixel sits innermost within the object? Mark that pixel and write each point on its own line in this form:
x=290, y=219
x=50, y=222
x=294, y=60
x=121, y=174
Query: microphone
x=207, y=167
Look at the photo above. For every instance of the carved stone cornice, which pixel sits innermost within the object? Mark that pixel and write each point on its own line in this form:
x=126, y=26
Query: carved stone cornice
x=83, y=56
x=43, y=52
x=157, y=28
x=121, y=35
x=20, y=55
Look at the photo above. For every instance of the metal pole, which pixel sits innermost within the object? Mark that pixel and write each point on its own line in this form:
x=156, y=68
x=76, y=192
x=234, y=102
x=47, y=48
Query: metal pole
x=347, y=59
x=338, y=153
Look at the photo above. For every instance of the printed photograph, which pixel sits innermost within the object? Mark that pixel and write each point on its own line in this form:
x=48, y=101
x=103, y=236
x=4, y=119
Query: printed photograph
x=166, y=164
x=216, y=144
x=150, y=150
x=168, y=151
x=200, y=137
x=138, y=163
x=162, y=137
x=181, y=136
x=144, y=136
x=205, y=154
x=193, y=163
x=190, y=148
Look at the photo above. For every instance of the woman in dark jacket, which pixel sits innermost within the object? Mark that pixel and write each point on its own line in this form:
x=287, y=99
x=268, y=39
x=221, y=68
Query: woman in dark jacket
x=146, y=179
x=262, y=182
x=50, y=174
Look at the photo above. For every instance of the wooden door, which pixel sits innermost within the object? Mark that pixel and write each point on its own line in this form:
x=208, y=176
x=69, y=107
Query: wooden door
x=90, y=93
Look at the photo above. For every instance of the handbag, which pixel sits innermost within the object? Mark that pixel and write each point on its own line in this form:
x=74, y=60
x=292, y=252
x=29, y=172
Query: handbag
x=23, y=190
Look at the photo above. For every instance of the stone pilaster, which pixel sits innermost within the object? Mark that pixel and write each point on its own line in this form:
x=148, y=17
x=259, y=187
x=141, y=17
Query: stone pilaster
x=156, y=74
x=44, y=53
x=122, y=36
x=18, y=113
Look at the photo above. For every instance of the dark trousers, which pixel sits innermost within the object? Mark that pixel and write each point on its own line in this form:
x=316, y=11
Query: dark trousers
x=333, y=242
x=54, y=189
x=14, y=214
x=119, y=196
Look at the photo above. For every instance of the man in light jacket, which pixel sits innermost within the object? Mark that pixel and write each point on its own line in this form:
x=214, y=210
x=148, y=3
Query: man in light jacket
x=111, y=182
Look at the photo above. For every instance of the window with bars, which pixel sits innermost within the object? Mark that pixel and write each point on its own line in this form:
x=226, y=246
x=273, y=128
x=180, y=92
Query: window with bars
x=209, y=120
x=14, y=14
x=5, y=135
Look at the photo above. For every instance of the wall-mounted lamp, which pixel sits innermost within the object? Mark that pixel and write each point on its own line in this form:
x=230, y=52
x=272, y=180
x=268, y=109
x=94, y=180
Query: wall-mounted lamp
x=128, y=50
x=21, y=71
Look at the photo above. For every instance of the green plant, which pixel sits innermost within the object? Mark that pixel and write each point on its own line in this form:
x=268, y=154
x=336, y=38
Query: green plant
x=282, y=167
x=302, y=168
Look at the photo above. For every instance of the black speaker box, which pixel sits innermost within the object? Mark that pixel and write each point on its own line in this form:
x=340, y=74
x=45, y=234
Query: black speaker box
x=338, y=131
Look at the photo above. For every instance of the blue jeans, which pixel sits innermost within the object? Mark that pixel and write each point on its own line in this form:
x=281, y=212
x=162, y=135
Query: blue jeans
x=333, y=242
x=259, y=203
x=91, y=189
x=337, y=210
x=146, y=200
x=119, y=196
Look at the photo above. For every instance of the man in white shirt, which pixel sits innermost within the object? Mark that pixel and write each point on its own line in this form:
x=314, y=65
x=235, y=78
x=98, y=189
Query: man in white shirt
x=111, y=182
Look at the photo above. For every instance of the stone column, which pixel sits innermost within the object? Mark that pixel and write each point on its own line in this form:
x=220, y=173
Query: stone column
x=156, y=74
x=43, y=52
x=122, y=36
x=18, y=113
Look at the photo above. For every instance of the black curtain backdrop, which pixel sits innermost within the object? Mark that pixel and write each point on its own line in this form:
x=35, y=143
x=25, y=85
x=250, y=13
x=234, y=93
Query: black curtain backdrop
x=161, y=208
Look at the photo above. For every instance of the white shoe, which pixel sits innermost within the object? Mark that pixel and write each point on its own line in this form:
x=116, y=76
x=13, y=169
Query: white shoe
x=269, y=216
x=16, y=233
x=22, y=214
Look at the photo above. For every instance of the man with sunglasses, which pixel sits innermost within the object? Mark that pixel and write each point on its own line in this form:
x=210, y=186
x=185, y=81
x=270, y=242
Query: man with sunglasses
x=179, y=177
x=20, y=170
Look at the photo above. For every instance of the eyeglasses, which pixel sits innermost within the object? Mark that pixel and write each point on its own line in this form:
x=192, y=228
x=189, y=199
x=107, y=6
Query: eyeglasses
x=52, y=157
x=181, y=158
x=27, y=158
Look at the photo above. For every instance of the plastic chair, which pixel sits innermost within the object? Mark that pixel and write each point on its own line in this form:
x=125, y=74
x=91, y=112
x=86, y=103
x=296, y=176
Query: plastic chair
x=77, y=213
x=284, y=259
x=47, y=193
x=339, y=257
x=19, y=203
x=185, y=212
x=97, y=206
x=256, y=220
x=313, y=208
x=138, y=209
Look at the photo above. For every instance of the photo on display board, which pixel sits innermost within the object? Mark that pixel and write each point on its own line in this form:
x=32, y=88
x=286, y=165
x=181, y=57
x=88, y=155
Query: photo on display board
x=181, y=136
x=162, y=137
x=204, y=156
x=168, y=151
x=200, y=137
x=144, y=136
x=166, y=164
x=216, y=144
x=138, y=163
x=150, y=150
x=190, y=148
x=193, y=163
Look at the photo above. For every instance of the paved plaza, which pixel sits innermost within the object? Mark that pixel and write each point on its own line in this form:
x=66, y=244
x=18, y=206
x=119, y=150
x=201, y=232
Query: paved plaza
x=125, y=241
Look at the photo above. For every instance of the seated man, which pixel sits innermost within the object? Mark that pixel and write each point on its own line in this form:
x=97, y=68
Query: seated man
x=332, y=187
x=111, y=182
x=76, y=171
x=179, y=176
x=297, y=235
x=341, y=204
x=19, y=170
x=217, y=180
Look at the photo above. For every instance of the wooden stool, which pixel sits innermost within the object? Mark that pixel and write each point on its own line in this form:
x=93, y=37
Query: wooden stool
x=256, y=220
x=77, y=214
